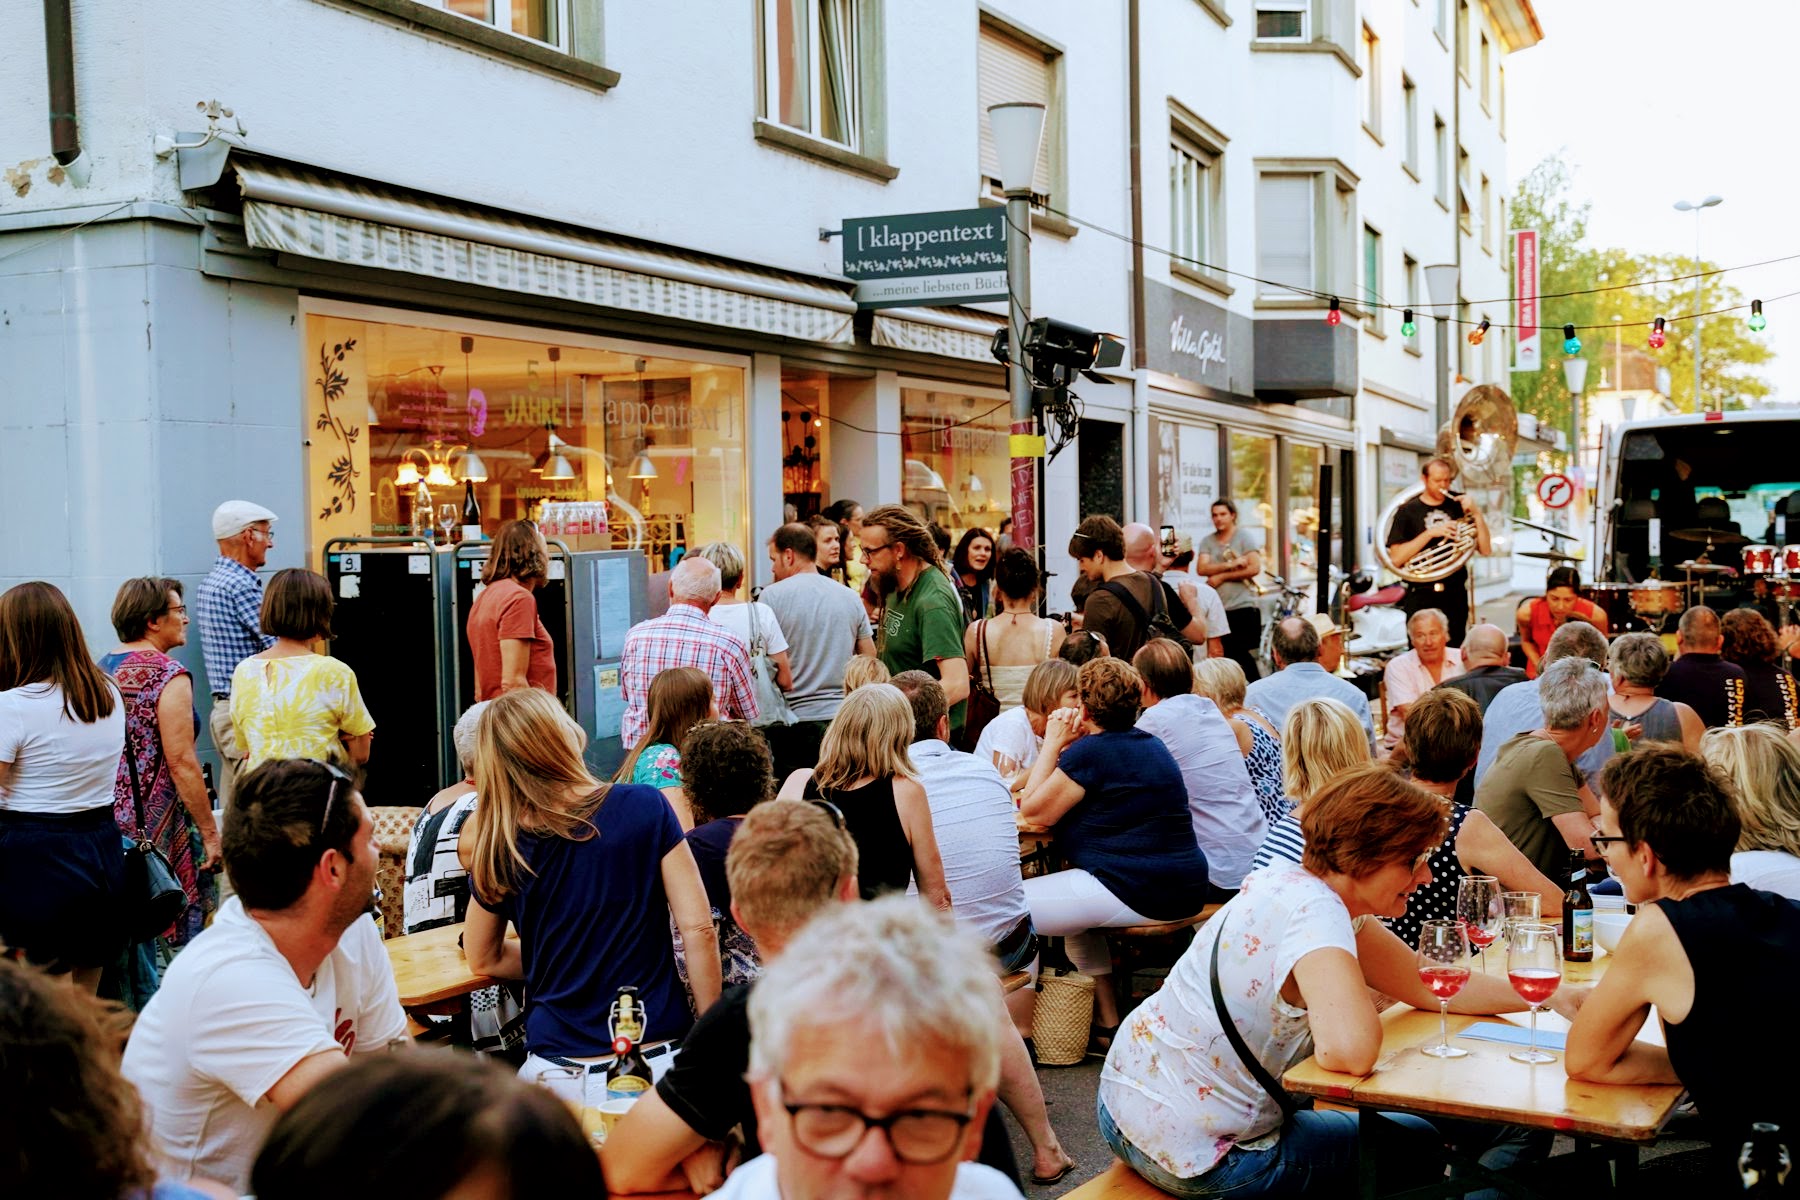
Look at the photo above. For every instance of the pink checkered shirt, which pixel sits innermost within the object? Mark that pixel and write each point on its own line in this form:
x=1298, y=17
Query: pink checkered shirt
x=684, y=638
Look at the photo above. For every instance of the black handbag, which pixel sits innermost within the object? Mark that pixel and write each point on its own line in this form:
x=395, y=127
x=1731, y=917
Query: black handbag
x=153, y=897
x=984, y=704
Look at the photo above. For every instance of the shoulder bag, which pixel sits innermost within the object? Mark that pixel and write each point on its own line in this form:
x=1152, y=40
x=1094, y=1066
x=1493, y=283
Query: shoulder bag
x=153, y=899
x=771, y=702
x=984, y=704
x=1282, y=1097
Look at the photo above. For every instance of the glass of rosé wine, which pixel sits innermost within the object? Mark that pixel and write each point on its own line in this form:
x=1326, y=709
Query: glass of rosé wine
x=1444, y=969
x=1478, y=909
x=1534, y=968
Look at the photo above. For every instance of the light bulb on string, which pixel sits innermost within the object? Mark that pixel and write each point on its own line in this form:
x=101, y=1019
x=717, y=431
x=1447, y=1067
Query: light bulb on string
x=1758, y=322
x=1479, y=332
x=1334, y=316
x=1657, y=337
x=1571, y=343
x=1408, y=327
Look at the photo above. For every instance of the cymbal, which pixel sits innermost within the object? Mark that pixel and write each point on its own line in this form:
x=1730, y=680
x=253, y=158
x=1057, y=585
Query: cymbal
x=1718, y=537
x=1552, y=555
x=1703, y=568
x=1546, y=530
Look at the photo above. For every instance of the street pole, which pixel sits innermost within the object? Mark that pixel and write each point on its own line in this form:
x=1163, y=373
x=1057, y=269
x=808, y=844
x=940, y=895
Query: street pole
x=1018, y=130
x=1696, y=209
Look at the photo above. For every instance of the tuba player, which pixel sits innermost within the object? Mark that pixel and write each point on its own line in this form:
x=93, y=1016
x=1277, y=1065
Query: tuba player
x=1430, y=517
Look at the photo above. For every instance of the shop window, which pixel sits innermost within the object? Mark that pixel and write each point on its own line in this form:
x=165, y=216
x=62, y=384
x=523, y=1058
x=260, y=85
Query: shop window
x=956, y=468
x=610, y=446
x=1184, y=475
x=1253, y=485
x=1302, y=532
x=814, y=67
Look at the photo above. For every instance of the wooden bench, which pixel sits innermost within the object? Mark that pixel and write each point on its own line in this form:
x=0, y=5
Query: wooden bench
x=1129, y=945
x=1118, y=1182
x=1015, y=981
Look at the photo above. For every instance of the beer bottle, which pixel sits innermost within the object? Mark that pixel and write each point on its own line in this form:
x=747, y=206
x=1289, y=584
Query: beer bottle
x=1763, y=1163
x=1578, y=913
x=629, y=1076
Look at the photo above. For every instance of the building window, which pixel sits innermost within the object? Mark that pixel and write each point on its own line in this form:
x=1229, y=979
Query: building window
x=1440, y=136
x=1462, y=190
x=956, y=467
x=1371, y=278
x=1196, y=198
x=1502, y=74
x=545, y=21
x=813, y=68
x=1368, y=57
x=1462, y=38
x=1442, y=23
x=1409, y=106
x=1487, y=74
x=1409, y=271
x=1012, y=68
x=1252, y=483
x=1487, y=211
x=648, y=451
x=1282, y=22
x=1285, y=237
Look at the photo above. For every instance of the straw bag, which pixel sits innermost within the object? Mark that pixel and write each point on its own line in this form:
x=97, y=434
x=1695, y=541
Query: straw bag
x=1064, y=1015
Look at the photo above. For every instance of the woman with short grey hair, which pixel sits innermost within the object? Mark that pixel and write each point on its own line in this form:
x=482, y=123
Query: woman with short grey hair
x=1638, y=663
x=738, y=614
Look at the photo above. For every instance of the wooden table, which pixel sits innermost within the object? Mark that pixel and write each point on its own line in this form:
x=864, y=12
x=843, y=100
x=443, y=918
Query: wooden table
x=1037, y=849
x=430, y=967
x=1488, y=1086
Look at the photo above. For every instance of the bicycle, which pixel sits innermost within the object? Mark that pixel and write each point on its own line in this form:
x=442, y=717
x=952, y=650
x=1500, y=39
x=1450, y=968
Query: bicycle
x=1290, y=603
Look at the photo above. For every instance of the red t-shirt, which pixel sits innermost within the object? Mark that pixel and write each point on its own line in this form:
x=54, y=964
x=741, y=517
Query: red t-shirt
x=1543, y=624
x=507, y=609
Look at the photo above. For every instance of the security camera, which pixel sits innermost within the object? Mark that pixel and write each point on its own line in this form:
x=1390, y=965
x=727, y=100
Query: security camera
x=1058, y=351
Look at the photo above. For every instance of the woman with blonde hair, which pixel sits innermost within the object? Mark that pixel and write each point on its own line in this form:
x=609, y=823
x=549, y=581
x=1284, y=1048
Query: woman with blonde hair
x=864, y=770
x=862, y=670
x=1763, y=767
x=589, y=874
x=679, y=699
x=1222, y=681
x=1321, y=740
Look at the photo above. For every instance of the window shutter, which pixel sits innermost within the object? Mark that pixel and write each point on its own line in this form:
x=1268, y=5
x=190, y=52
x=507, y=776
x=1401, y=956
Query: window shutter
x=1011, y=71
x=1284, y=230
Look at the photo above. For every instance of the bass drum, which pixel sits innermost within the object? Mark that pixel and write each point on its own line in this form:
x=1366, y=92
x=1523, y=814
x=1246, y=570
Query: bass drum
x=1614, y=599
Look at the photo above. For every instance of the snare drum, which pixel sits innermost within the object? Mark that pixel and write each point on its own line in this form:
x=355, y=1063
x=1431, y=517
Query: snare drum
x=1655, y=598
x=1784, y=587
x=1613, y=599
x=1760, y=560
x=1789, y=561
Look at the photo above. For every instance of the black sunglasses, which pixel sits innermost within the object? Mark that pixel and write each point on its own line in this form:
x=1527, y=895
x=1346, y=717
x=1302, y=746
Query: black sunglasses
x=338, y=779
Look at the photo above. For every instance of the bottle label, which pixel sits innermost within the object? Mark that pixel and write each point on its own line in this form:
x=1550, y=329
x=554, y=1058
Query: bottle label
x=471, y=533
x=1581, y=937
x=626, y=1087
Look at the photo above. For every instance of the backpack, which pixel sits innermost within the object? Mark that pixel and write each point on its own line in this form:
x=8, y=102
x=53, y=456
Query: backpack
x=1158, y=623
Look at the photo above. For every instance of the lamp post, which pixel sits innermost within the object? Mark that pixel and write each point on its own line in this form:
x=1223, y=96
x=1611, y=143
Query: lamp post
x=1441, y=284
x=1575, y=375
x=1697, y=209
x=1018, y=130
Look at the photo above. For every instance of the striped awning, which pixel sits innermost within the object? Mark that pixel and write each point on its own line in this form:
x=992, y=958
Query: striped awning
x=297, y=210
x=947, y=332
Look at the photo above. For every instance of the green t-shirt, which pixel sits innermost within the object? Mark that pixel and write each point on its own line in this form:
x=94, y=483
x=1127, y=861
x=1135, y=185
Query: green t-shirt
x=922, y=625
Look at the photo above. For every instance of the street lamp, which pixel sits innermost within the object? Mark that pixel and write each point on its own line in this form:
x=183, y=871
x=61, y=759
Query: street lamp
x=1696, y=209
x=1441, y=285
x=1018, y=130
x=1575, y=375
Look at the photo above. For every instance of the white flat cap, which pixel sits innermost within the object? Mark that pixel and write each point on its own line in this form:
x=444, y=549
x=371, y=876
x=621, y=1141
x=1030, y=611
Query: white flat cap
x=234, y=516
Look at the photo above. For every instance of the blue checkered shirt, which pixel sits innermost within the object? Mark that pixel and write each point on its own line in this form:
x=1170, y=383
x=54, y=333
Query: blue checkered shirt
x=229, y=609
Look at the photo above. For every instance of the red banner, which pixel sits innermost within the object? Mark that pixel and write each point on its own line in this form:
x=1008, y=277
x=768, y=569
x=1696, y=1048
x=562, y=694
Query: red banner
x=1527, y=345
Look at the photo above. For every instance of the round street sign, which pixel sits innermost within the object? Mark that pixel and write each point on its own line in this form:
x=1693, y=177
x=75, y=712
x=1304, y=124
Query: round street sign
x=1556, y=491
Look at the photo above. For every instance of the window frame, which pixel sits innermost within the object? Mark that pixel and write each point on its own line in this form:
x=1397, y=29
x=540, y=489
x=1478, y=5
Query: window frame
x=769, y=82
x=1465, y=207
x=1368, y=52
x=1199, y=141
x=1410, y=277
x=1375, y=321
x=1440, y=24
x=1462, y=38
x=1335, y=269
x=1487, y=74
x=1303, y=7
x=560, y=10
x=1487, y=223
x=1409, y=115
x=579, y=61
x=1055, y=123
x=1441, y=133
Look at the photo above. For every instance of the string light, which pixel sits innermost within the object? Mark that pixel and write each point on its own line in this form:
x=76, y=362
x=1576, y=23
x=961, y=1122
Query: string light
x=1479, y=332
x=1334, y=316
x=1571, y=343
x=1657, y=337
x=1757, y=321
x=1408, y=327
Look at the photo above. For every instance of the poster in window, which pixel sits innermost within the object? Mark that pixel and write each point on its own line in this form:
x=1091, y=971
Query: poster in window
x=1199, y=479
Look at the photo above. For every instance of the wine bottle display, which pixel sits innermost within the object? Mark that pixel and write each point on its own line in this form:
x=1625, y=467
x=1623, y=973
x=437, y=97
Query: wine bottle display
x=471, y=513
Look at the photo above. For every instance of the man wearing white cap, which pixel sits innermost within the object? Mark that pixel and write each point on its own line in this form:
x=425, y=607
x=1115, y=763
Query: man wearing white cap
x=229, y=606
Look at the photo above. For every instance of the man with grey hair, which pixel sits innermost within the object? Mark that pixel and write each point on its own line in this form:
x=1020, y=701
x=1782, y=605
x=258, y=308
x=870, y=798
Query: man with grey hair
x=686, y=637
x=1533, y=792
x=1516, y=709
x=228, y=610
x=1431, y=660
x=1699, y=678
x=874, y=1056
x=1295, y=645
x=1486, y=669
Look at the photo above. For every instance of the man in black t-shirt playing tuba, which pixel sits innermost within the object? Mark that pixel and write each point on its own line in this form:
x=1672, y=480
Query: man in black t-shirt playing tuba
x=1429, y=518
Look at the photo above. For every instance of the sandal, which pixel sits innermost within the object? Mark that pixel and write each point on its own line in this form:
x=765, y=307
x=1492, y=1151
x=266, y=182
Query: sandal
x=1047, y=1180
x=1100, y=1040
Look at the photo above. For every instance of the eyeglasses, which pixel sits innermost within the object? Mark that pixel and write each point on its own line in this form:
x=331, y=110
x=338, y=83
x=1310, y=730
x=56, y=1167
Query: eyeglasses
x=338, y=779
x=921, y=1137
x=267, y=535
x=175, y=609
x=1424, y=857
x=872, y=551
x=1602, y=840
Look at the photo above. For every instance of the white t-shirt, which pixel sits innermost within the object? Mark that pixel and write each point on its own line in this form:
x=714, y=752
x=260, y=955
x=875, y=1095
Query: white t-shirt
x=230, y=1019
x=756, y=1180
x=736, y=617
x=1202, y=599
x=59, y=765
x=1172, y=1082
x=1009, y=734
x=1767, y=871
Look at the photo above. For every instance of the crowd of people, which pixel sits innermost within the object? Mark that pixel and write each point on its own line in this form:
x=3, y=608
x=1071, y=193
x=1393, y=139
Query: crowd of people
x=805, y=870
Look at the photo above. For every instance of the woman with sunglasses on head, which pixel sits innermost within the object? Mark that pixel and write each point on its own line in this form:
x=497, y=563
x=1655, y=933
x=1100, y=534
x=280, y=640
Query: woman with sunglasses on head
x=589, y=874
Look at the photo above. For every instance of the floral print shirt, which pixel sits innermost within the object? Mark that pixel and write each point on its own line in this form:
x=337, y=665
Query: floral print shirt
x=659, y=765
x=1172, y=1081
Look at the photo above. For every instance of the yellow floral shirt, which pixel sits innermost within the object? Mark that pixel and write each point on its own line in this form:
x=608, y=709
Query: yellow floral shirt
x=296, y=708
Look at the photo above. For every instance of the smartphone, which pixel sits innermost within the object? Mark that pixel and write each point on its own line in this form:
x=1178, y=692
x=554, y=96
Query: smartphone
x=1167, y=537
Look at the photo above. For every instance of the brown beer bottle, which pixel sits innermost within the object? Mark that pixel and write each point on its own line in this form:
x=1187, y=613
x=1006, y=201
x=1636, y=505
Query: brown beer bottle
x=1578, y=913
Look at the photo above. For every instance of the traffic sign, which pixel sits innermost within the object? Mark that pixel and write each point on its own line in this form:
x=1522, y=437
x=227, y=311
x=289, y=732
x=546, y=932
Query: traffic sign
x=1556, y=491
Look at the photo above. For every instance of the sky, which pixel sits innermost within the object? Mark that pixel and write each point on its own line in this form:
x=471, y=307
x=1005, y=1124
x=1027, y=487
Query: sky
x=1654, y=101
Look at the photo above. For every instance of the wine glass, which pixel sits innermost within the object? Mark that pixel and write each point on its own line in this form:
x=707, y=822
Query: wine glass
x=1534, y=968
x=447, y=514
x=1522, y=906
x=1478, y=911
x=1443, y=967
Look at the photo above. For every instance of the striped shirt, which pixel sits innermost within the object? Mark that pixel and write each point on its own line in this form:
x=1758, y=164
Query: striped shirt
x=684, y=638
x=229, y=610
x=1285, y=841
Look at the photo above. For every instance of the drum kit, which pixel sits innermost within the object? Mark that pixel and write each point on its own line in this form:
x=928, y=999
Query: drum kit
x=1651, y=604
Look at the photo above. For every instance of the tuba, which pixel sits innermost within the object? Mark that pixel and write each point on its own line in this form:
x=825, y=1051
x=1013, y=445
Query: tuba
x=1479, y=442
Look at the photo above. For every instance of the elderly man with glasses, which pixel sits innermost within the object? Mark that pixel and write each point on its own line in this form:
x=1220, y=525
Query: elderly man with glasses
x=277, y=993
x=228, y=607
